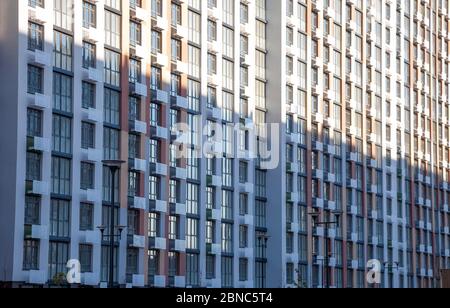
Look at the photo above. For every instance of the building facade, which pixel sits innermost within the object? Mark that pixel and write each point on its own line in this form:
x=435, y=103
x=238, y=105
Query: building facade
x=353, y=173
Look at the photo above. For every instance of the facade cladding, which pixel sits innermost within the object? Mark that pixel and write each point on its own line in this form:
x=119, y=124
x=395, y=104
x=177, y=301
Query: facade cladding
x=359, y=88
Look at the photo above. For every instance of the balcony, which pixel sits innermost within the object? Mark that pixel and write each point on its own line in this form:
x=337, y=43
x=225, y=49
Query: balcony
x=319, y=231
x=91, y=155
x=37, y=277
x=213, y=180
x=139, y=14
x=90, y=237
x=178, y=245
x=292, y=227
x=159, y=96
x=178, y=173
x=137, y=203
x=318, y=203
x=139, y=89
x=39, y=100
x=158, y=132
x=158, y=169
x=159, y=206
x=180, y=67
x=159, y=281
x=292, y=167
x=317, y=173
x=90, y=279
x=247, y=220
x=158, y=243
x=352, y=183
x=330, y=205
x=36, y=232
x=292, y=197
x=92, y=115
x=159, y=23
x=92, y=75
x=180, y=32
x=139, y=127
x=37, y=188
x=136, y=241
x=213, y=249
x=180, y=282
x=40, y=58
x=246, y=253
x=213, y=47
x=178, y=209
x=92, y=35
x=214, y=113
x=38, y=144
x=137, y=164
x=352, y=156
x=373, y=240
x=352, y=209
x=213, y=214
x=160, y=60
x=353, y=264
x=317, y=145
x=91, y=195
x=179, y=102
x=135, y=281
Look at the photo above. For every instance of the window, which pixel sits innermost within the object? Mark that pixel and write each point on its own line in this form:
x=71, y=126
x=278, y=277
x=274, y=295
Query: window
x=34, y=123
x=60, y=218
x=89, y=55
x=32, y=210
x=35, y=80
x=112, y=107
x=57, y=259
x=192, y=270
x=243, y=236
x=112, y=68
x=112, y=29
x=30, y=255
x=88, y=95
x=62, y=51
x=110, y=143
x=85, y=256
x=243, y=269
x=87, y=135
x=62, y=92
x=227, y=269
x=87, y=176
x=63, y=12
x=135, y=33
x=86, y=217
x=134, y=71
x=89, y=15
x=35, y=36
x=33, y=172
x=62, y=134
x=61, y=172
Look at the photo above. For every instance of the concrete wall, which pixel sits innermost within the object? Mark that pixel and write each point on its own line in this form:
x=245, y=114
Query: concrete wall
x=9, y=41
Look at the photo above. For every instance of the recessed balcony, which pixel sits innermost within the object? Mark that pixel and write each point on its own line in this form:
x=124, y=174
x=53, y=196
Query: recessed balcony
x=137, y=203
x=37, y=188
x=36, y=232
x=136, y=241
x=40, y=58
x=39, y=100
x=38, y=144
x=158, y=206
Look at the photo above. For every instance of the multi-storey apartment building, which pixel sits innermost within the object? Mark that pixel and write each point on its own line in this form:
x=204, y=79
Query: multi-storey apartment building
x=359, y=162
